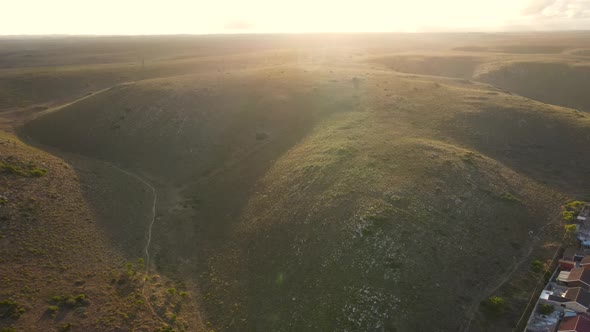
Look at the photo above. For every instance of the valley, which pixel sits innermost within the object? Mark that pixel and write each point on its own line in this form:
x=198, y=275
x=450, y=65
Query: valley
x=321, y=182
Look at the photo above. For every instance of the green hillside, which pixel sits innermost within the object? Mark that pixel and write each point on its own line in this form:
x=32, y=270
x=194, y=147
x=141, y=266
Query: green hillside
x=304, y=203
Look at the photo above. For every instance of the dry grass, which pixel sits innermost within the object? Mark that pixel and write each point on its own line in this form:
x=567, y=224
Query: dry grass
x=361, y=209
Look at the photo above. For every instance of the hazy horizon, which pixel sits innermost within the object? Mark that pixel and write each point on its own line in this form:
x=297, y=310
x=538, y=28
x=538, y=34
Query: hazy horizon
x=66, y=17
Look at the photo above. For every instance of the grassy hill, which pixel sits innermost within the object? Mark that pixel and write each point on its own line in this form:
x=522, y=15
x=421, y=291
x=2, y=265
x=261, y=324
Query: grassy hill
x=302, y=202
x=290, y=199
x=60, y=269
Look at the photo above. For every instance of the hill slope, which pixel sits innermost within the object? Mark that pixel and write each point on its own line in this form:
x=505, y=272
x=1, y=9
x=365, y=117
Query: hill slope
x=304, y=203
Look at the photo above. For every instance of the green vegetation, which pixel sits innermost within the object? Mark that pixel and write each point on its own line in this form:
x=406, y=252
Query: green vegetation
x=568, y=216
x=53, y=310
x=574, y=206
x=10, y=309
x=70, y=301
x=496, y=304
x=28, y=171
x=509, y=197
x=570, y=229
x=537, y=266
x=317, y=203
x=546, y=309
x=66, y=326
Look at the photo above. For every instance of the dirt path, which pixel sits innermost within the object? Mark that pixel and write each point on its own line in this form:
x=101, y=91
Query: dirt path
x=153, y=218
x=505, y=279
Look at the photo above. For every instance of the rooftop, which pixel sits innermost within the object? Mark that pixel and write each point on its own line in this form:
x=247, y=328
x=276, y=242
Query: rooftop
x=579, y=323
x=579, y=273
x=579, y=295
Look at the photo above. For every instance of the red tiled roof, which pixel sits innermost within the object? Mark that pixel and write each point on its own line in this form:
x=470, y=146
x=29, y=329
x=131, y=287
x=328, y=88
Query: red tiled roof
x=579, y=323
x=585, y=260
x=580, y=274
x=579, y=295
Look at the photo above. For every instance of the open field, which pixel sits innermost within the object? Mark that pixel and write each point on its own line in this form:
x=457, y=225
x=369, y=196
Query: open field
x=383, y=182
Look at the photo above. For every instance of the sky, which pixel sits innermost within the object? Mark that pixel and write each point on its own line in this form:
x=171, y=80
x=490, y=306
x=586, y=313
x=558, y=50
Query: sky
x=129, y=17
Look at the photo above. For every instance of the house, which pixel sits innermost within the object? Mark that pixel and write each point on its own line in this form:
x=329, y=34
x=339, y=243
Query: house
x=576, y=299
x=578, y=277
x=579, y=323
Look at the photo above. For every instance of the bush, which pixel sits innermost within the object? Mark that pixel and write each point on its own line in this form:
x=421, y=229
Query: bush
x=38, y=172
x=10, y=309
x=65, y=326
x=537, y=266
x=575, y=206
x=546, y=309
x=496, y=304
x=509, y=197
x=33, y=171
x=570, y=228
x=568, y=216
x=53, y=310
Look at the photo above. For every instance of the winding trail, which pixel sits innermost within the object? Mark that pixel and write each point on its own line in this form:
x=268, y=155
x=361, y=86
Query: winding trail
x=146, y=249
x=149, y=235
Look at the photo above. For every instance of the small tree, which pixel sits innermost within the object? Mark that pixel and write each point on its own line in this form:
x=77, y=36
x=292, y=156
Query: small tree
x=496, y=304
x=568, y=216
x=570, y=229
x=546, y=309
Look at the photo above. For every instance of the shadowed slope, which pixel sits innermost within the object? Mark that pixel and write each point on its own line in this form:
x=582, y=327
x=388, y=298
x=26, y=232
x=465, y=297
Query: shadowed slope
x=302, y=203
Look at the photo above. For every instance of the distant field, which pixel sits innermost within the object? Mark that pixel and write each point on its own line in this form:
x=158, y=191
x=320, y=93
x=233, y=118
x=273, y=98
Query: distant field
x=312, y=182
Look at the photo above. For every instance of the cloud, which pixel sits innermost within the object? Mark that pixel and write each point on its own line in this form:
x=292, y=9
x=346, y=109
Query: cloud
x=238, y=25
x=567, y=9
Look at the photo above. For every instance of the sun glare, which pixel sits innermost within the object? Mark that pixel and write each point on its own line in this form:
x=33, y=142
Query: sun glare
x=258, y=16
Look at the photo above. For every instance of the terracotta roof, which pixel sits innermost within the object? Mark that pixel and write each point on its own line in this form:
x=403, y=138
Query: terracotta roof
x=579, y=323
x=585, y=260
x=579, y=295
x=581, y=274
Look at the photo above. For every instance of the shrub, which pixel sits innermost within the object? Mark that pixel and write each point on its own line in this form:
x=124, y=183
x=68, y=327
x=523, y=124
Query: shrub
x=537, y=266
x=38, y=172
x=509, y=197
x=568, y=216
x=65, y=326
x=11, y=169
x=53, y=310
x=575, y=206
x=165, y=328
x=70, y=302
x=546, y=309
x=570, y=228
x=171, y=291
x=33, y=170
x=58, y=298
x=496, y=304
x=10, y=309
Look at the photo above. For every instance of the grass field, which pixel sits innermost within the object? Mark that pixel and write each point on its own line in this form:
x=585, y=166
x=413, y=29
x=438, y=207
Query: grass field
x=305, y=182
